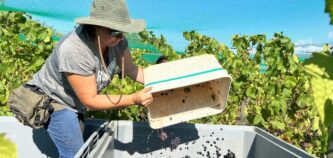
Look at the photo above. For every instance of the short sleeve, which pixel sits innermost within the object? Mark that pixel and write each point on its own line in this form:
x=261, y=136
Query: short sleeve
x=77, y=62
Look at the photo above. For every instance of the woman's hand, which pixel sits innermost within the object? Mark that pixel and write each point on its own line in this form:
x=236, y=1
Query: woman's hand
x=143, y=97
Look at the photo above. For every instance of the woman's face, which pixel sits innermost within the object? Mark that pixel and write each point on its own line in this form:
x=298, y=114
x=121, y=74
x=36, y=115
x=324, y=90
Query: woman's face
x=109, y=37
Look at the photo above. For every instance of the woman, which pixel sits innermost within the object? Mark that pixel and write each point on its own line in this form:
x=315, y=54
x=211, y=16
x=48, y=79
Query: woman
x=74, y=74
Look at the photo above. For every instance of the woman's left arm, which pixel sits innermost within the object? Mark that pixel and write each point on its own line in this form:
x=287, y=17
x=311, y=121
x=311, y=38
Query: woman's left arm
x=132, y=70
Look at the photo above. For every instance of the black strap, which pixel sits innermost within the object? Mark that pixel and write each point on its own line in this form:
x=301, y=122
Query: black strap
x=33, y=88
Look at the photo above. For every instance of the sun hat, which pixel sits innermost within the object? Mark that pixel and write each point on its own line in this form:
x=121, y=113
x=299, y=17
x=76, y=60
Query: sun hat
x=112, y=14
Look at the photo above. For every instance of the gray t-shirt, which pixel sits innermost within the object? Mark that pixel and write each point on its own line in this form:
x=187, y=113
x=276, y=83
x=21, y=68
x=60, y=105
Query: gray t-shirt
x=75, y=53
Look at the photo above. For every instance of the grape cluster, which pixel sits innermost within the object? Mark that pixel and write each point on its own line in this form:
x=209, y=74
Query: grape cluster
x=174, y=143
x=230, y=154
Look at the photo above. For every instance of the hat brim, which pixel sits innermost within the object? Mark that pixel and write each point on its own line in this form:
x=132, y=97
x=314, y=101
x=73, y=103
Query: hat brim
x=136, y=25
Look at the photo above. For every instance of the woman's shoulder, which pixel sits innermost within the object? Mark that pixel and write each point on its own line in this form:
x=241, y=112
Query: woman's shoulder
x=73, y=43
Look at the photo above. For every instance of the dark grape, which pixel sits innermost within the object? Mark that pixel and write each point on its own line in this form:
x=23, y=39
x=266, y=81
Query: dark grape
x=230, y=154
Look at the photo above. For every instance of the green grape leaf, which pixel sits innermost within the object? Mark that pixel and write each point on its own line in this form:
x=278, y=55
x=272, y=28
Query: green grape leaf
x=7, y=148
x=277, y=124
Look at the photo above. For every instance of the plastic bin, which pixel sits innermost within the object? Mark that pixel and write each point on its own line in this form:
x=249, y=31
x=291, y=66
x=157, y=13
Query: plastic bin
x=186, y=89
x=36, y=143
x=125, y=139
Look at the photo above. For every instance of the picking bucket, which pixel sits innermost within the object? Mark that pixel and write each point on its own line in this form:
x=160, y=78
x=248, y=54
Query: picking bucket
x=186, y=89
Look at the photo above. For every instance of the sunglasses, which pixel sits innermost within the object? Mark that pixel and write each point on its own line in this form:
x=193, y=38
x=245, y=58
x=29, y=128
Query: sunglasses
x=117, y=34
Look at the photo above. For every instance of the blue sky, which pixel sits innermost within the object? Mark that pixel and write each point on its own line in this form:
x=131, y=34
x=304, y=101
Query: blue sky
x=304, y=21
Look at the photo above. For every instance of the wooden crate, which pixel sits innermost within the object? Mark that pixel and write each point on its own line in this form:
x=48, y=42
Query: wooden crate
x=186, y=89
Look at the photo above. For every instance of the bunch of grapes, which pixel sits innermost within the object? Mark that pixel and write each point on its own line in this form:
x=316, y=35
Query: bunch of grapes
x=230, y=154
x=174, y=143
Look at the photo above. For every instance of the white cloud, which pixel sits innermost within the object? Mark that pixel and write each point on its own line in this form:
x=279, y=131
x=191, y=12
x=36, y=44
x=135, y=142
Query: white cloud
x=330, y=35
x=308, y=48
x=308, y=45
x=307, y=41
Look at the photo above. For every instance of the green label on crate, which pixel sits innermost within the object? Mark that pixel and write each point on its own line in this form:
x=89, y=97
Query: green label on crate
x=185, y=76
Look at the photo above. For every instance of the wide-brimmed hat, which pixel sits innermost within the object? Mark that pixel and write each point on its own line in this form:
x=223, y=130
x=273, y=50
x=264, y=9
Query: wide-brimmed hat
x=112, y=14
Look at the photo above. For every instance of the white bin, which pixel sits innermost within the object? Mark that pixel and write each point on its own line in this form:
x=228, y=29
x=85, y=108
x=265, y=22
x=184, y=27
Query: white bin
x=186, y=89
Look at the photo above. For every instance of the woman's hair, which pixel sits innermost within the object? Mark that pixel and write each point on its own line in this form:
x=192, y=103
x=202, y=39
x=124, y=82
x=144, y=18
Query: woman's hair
x=161, y=59
x=90, y=30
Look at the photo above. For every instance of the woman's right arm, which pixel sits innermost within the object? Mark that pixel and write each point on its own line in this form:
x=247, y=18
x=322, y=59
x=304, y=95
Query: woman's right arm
x=86, y=90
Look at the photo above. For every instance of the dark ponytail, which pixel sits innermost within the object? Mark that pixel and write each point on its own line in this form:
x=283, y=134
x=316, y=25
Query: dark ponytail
x=90, y=30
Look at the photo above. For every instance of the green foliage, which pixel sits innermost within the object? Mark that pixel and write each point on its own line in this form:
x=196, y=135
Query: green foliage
x=160, y=44
x=319, y=67
x=7, y=148
x=278, y=100
x=4, y=111
x=329, y=9
x=24, y=46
